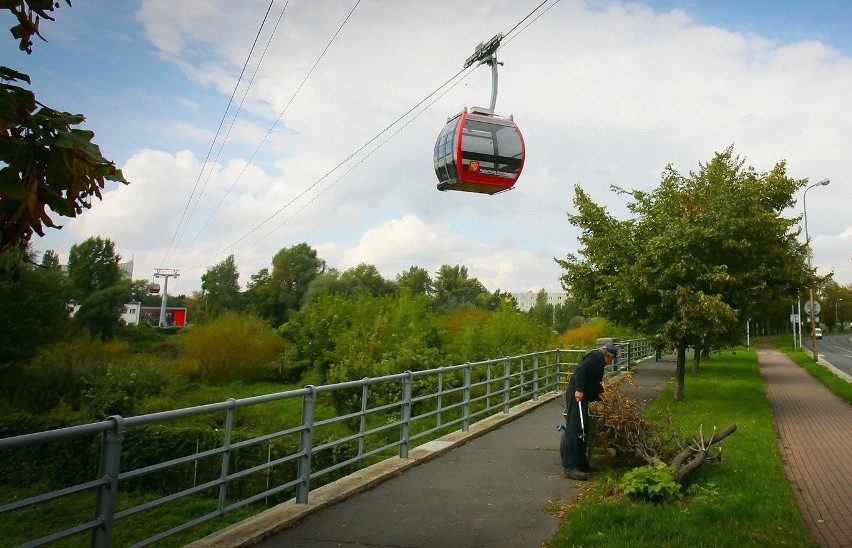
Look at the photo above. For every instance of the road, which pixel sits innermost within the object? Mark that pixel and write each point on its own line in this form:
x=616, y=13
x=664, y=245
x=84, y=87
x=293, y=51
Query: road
x=836, y=349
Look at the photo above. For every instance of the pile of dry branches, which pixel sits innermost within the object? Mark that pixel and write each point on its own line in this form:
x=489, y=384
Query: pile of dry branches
x=622, y=428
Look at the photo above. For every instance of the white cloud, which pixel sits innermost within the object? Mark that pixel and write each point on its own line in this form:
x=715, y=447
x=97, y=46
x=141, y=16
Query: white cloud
x=607, y=95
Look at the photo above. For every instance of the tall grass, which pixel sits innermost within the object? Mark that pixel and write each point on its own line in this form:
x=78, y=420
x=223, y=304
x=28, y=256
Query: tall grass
x=745, y=500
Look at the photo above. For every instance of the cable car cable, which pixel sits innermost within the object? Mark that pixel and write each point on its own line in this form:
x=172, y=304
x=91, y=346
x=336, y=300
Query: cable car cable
x=221, y=146
x=361, y=148
x=221, y=123
x=359, y=162
x=332, y=170
x=277, y=120
x=528, y=16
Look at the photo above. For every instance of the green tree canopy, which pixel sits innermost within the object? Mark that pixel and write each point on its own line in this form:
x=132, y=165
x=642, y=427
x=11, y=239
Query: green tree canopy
x=222, y=287
x=100, y=312
x=257, y=298
x=415, y=279
x=293, y=270
x=455, y=289
x=702, y=254
x=33, y=310
x=365, y=279
x=92, y=266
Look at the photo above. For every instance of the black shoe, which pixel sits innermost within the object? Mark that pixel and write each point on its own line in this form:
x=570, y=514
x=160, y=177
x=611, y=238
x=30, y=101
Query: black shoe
x=570, y=473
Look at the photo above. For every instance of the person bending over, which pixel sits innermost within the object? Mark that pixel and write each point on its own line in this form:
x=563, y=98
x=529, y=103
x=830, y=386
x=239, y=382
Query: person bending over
x=585, y=386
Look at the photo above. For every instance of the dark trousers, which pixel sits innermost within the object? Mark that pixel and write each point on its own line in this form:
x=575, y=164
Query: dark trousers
x=573, y=448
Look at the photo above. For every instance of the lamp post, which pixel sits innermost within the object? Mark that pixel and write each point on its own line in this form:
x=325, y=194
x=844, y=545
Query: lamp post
x=835, y=314
x=811, y=289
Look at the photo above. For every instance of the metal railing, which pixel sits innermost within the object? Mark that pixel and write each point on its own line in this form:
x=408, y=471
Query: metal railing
x=381, y=418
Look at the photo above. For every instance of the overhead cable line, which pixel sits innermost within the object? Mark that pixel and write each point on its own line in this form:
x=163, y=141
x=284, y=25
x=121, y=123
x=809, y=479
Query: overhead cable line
x=221, y=146
x=277, y=120
x=221, y=123
x=365, y=145
x=359, y=162
x=332, y=170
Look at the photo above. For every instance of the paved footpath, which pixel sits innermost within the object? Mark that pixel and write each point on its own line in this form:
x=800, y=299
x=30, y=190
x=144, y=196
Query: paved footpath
x=495, y=490
x=814, y=429
x=490, y=490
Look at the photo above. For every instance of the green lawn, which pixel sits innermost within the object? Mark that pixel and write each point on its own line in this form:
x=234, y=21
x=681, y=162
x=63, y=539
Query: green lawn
x=745, y=500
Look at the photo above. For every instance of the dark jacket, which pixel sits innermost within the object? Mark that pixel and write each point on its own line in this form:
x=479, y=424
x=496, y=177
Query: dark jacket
x=587, y=377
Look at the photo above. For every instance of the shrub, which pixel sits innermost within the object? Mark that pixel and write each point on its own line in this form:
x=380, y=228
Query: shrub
x=231, y=347
x=653, y=482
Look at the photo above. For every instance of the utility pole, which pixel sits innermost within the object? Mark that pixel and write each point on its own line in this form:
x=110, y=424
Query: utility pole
x=165, y=273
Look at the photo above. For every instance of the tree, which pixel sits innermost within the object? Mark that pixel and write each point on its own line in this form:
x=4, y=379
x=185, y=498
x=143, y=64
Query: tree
x=101, y=312
x=257, y=297
x=33, y=309
x=50, y=260
x=92, y=266
x=454, y=289
x=46, y=162
x=542, y=311
x=293, y=270
x=703, y=253
x=417, y=280
x=222, y=288
x=365, y=279
x=94, y=279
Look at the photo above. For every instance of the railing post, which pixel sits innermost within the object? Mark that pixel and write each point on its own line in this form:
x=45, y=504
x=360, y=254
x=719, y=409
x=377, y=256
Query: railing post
x=558, y=369
x=630, y=356
x=440, y=405
x=107, y=493
x=226, y=455
x=466, y=407
x=306, y=445
x=507, y=384
x=535, y=376
x=363, y=422
x=405, y=433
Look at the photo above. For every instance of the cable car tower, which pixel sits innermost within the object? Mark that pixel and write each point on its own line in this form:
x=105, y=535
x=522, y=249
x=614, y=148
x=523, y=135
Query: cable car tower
x=163, y=273
x=478, y=151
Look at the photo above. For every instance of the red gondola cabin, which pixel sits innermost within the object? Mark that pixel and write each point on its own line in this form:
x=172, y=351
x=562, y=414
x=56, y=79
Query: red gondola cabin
x=478, y=151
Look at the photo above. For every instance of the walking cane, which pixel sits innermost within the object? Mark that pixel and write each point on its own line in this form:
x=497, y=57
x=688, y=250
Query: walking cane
x=582, y=422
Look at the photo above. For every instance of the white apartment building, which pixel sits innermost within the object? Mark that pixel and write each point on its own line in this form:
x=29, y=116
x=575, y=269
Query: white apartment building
x=527, y=300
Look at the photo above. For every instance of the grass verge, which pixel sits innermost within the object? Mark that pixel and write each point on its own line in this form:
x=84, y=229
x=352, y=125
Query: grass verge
x=746, y=500
x=839, y=386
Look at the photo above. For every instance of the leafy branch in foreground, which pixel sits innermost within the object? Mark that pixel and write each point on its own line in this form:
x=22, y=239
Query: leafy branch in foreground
x=48, y=164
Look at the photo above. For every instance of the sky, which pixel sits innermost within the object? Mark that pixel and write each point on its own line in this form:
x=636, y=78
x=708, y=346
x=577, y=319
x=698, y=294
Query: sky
x=324, y=133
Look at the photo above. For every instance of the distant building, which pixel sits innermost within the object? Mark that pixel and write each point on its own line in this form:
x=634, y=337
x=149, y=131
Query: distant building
x=126, y=270
x=134, y=314
x=527, y=300
x=175, y=317
x=131, y=313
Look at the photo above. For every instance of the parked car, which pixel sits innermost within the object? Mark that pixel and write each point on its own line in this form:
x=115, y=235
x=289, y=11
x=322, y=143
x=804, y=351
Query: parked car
x=818, y=332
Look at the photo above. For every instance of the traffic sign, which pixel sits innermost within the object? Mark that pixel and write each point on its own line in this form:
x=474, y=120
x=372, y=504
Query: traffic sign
x=816, y=307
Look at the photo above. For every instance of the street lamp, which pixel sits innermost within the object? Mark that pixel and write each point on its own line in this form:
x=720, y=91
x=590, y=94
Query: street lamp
x=811, y=289
x=835, y=314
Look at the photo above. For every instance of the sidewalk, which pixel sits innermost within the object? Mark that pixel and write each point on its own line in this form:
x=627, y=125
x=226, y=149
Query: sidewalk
x=814, y=429
x=489, y=490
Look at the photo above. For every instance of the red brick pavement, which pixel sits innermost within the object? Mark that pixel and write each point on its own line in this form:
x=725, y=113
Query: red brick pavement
x=814, y=429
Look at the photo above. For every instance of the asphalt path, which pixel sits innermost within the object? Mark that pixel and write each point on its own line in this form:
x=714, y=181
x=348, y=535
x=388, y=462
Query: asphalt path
x=835, y=350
